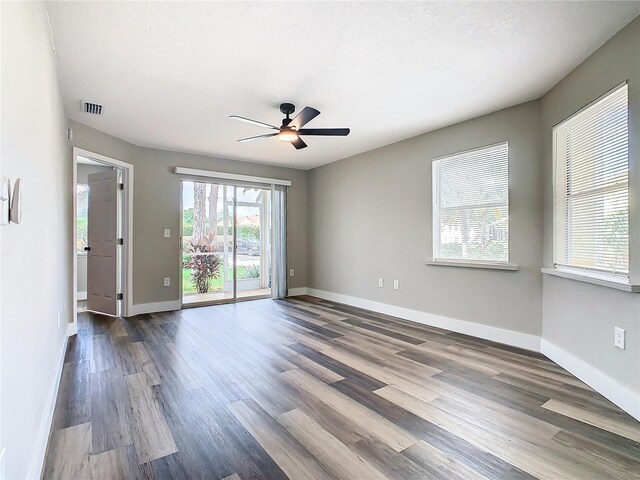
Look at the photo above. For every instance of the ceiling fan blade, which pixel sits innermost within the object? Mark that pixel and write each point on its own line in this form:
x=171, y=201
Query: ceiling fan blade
x=253, y=122
x=255, y=138
x=305, y=116
x=298, y=143
x=338, y=132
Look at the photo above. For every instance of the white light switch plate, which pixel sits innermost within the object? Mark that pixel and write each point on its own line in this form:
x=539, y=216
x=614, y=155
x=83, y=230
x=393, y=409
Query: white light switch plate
x=167, y=281
x=167, y=233
x=618, y=339
x=291, y=272
x=396, y=284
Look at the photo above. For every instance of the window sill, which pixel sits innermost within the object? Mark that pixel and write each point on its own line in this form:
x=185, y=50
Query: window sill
x=484, y=265
x=595, y=280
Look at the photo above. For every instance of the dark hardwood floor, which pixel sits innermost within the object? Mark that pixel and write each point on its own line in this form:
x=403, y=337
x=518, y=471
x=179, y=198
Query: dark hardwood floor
x=304, y=388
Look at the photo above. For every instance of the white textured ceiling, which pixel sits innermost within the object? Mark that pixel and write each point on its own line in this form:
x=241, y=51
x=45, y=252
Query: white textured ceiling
x=170, y=74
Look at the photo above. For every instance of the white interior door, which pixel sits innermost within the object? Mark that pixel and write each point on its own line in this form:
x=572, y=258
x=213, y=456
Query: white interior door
x=102, y=233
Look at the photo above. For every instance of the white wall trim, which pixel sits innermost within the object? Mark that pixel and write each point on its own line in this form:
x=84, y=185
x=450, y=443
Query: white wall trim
x=592, y=278
x=42, y=439
x=626, y=399
x=82, y=295
x=512, y=267
x=141, y=308
x=501, y=335
x=297, y=291
x=230, y=176
x=72, y=329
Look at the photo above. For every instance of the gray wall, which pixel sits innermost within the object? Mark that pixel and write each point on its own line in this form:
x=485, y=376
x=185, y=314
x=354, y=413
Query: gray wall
x=579, y=317
x=83, y=172
x=156, y=205
x=370, y=217
x=36, y=278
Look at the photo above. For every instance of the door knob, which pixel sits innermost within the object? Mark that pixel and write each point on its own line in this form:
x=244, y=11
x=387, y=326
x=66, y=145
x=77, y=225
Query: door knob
x=86, y=249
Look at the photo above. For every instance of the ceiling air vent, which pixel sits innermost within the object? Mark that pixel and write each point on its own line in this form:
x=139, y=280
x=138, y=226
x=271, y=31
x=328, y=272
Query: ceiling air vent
x=93, y=108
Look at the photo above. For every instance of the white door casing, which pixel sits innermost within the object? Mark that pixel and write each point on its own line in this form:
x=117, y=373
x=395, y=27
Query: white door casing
x=102, y=229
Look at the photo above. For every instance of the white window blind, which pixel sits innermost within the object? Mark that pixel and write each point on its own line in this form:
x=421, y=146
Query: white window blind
x=471, y=205
x=591, y=191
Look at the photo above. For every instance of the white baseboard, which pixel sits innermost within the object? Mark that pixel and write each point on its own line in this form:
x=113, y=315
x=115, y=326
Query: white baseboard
x=297, y=291
x=501, y=335
x=72, y=329
x=81, y=295
x=154, y=307
x=626, y=399
x=40, y=450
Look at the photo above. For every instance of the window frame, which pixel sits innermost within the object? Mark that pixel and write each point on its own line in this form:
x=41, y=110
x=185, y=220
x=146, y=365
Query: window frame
x=505, y=265
x=584, y=274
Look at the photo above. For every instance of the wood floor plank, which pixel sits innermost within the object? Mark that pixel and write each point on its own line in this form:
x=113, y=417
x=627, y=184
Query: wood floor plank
x=375, y=368
x=144, y=362
x=234, y=476
x=73, y=405
x=152, y=436
x=110, y=412
x=290, y=455
x=342, y=369
x=600, y=456
x=370, y=344
x=502, y=420
x=384, y=331
x=389, y=462
x=319, y=371
x=337, y=424
x=624, y=427
x=375, y=426
x=438, y=465
x=69, y=454
x=343, y=463
x=119, y=463
x=102, y=355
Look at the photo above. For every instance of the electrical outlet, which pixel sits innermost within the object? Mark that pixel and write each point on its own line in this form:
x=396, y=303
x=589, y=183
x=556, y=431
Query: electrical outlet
x=167, y=281
x=396, y=284
x=167, y=233
x=291, y=272
x=619, y=337
x=381, y=282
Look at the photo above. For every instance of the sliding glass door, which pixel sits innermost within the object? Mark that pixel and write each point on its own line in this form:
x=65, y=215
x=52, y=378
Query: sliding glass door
x=226, y=242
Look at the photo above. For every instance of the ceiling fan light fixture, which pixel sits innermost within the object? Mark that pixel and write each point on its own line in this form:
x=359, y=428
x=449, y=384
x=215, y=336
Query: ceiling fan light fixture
x=287, y=135
x=292, y=130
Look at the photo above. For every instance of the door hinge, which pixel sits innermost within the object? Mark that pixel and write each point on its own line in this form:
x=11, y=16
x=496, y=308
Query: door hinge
x=121, y=186
x=120, y=241
x=119, y=296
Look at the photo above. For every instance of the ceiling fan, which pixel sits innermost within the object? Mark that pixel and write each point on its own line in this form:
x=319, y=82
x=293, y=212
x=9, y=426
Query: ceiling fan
x=291, y=129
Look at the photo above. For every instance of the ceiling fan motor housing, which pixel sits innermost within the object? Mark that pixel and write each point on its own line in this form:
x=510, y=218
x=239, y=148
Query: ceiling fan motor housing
x=287, y=108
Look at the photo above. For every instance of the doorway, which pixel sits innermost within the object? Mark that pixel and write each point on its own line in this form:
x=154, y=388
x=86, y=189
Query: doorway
x=102, y=190
x=226, y=242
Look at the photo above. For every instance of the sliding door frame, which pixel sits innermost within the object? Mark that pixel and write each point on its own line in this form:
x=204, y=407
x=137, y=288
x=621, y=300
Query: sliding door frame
x=225, y=186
